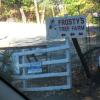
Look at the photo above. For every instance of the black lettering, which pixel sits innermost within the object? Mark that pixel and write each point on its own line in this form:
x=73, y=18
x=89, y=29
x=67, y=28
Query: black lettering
x=77, y=20
x=72, y=34
x=82, y=20
x=63, y=35
x=50, y=27
x=64, y=28
x=66, y=21
x=59, y=22
x=63, y=22
x=77, y=27
x=80, y=33
x=73, y=20
x=61, y=28
x=82, y=28
x=70, y=22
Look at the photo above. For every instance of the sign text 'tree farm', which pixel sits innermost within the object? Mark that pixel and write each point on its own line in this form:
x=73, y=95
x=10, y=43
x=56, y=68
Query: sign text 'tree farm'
x=73, y=26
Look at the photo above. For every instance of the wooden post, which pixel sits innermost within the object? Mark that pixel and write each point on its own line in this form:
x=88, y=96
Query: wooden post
x=24, y=72
x=68, y=65
x=78, y=49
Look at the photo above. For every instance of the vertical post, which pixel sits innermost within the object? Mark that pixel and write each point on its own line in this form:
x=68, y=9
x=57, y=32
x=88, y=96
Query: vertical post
x=68, y=65
x=23, y=71
x=77, y=47
x=16, y=60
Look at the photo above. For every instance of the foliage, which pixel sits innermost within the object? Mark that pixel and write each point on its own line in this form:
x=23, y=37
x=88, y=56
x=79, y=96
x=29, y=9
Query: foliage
x=6, y=68
x=96, y=7
x=51, y=7
x=18, y=2
x=78, y=7
x=75, y=7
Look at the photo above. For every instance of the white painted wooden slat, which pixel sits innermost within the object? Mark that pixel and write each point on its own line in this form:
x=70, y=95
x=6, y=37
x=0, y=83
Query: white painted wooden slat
x=49, y=62
x=69, y=81
x=25, y=77
x=48, y=88
x=66, y=60
x=68, y=68
x=24, y=82
x=42, y=50
x=60, y=61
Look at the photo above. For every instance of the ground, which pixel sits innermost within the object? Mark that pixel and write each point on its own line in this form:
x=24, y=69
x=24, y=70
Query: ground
x=79, y=93
x=82, y=89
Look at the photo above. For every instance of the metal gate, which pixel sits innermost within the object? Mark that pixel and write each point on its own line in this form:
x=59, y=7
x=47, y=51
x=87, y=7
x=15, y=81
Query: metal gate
x=30, y=65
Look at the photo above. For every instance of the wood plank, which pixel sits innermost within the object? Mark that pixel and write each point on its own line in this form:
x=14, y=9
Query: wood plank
x=33, y=76
x=49, y=62
x=51, y=49
x=48, y=88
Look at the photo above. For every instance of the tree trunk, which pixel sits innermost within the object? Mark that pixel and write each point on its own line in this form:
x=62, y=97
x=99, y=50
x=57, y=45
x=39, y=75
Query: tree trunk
x=23, y=15
x=43, y=14
x=53, y=13
x=0, y=3
x=36, y=12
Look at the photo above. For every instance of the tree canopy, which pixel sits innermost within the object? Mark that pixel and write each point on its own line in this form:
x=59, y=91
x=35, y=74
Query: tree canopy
x=38, y=10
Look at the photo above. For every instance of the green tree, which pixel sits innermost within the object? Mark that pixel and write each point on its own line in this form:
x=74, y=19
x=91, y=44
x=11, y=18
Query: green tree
x=76, y=7
x=19, y=5
x=38, y=10
x=96, y=7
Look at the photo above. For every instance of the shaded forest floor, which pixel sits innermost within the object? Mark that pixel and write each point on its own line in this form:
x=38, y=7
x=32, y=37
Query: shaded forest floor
x=76, y=93
x=82, y=89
